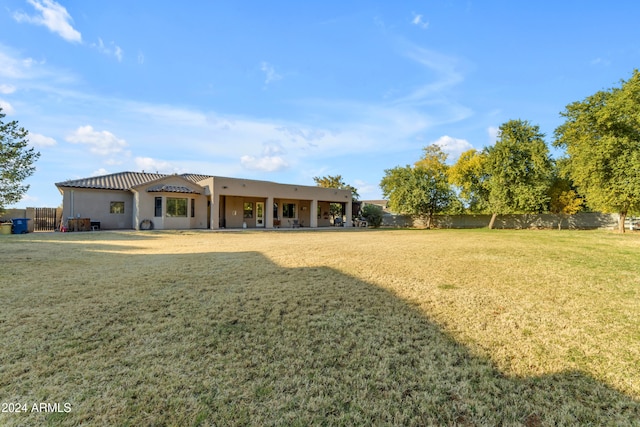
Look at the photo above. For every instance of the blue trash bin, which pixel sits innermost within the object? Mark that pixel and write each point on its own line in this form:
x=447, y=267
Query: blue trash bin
x=19, y=225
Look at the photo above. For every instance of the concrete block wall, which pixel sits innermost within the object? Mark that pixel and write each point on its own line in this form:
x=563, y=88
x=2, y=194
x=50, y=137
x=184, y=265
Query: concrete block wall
x=580, y=221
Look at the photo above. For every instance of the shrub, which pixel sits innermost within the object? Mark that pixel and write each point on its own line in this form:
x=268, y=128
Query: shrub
x=373, y=215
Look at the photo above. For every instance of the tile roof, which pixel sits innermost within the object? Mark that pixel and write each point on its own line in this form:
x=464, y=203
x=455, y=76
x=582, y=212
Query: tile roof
x=194, y=177
x=122, y=180
x=164, y=188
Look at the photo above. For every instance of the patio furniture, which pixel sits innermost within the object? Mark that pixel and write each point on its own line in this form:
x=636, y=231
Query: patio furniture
x=361, y=223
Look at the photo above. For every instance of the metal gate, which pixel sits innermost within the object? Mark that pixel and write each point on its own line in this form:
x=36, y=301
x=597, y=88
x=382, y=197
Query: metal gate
x=45, y=219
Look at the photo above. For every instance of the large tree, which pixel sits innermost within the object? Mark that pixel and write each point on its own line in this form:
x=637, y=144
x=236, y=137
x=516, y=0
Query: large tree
x=16, y=161
x=564, y=200
x=601, y=137
x=336, y=181
x=469, y=177
x=518, y=170
x=422, y=190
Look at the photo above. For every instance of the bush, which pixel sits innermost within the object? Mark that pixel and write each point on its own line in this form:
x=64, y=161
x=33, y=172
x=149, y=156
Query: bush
x=373, y=215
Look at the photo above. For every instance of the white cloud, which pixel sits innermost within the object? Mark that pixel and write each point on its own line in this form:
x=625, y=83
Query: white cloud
x=493, y=131
x=140, y=58
x=453, y=146
x=100, y=172
x=270, y=161
x=270, y=73
x=12, y=67
x=447, y=70
x=169, y=115
x=149, y=164
x=264, y=164
x=419, y=21
x=366, y=190
x=111, y=50
x=29, y=199
x=31, y=73
x=308, y=135
x=103, y=143
x=7, y=89
x=6, y=107
x=39, y=140
x=53, y=16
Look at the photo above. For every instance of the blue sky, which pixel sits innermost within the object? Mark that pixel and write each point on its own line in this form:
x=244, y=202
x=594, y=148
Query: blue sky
x=285, y=91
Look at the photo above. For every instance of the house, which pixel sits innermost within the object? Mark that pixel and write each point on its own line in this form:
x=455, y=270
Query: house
x=135, y=200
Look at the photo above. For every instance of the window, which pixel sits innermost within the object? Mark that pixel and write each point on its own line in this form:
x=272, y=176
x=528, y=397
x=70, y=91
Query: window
x=176, y=207
x=116, y=208
x=248, y=210
x=289, y=210
x=158, y=206
x=193, y=208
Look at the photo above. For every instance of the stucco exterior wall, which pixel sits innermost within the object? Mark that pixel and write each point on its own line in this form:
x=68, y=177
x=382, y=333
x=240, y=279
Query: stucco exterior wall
x=95, y=205
x=325, y=214
x=217, y=201
x=145, y=201
x=234, y=211
x=229, y=195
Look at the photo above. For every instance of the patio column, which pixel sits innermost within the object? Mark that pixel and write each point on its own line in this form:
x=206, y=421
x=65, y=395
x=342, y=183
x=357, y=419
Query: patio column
x=215, y=212
x=313, y=215
x=348, y=213
x=269, y=212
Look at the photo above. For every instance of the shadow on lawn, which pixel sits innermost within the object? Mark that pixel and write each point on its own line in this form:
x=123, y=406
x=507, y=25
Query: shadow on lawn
x=234, y=339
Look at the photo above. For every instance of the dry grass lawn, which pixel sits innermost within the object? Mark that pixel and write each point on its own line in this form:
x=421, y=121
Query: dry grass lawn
x=350, y=327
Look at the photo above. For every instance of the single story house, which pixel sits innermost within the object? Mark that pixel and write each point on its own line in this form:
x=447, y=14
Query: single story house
x=140, y=200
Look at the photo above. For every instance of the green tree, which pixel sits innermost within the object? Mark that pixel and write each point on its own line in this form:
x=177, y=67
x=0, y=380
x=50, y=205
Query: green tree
x=373, y=215
x=422, y=190
x=601, y=137
x=518, y=169
x=16, y=162
x=564, y=200
x=469, y=177
x=336, y=181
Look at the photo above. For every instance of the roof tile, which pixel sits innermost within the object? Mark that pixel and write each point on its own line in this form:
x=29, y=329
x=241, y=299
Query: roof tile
x=123, y=180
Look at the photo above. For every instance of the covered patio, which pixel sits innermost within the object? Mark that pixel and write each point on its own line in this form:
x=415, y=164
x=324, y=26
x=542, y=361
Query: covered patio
x=242, y=203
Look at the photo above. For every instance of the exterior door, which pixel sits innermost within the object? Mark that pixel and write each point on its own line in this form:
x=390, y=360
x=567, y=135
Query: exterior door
x=259, y=214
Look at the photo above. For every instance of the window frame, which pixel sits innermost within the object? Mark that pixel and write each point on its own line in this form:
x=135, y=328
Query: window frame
x=177, y=207
x=120, y=207
x=247, y=210
x=289, y=210
x=157, y=207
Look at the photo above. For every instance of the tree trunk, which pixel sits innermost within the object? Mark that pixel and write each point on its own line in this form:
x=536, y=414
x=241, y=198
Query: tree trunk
x=623, y=217
x=493, y=220
x=561, y=217
x=429, y=218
